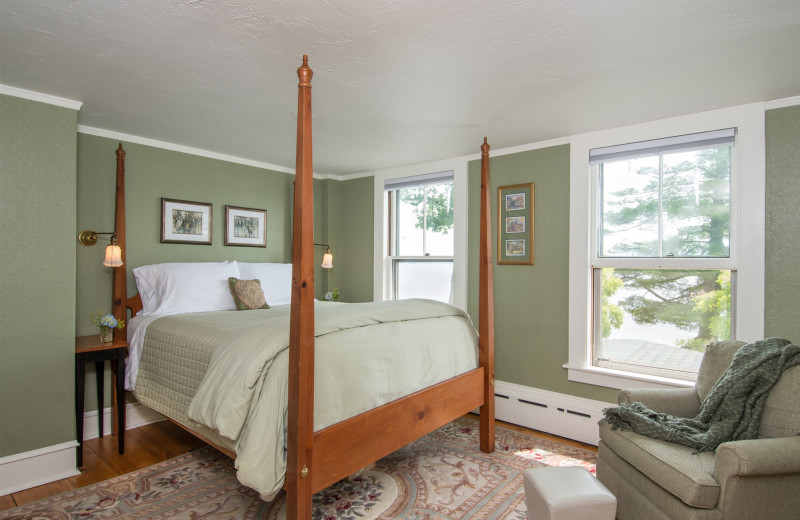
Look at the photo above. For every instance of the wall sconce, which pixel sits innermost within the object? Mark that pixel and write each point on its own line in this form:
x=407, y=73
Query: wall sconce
x=113, y=251
x=327, y=258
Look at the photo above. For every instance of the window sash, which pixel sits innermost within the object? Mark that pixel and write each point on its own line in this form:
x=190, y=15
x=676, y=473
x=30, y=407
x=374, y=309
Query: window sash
x=394, y=206
x=396, y=261
x=598, y=359
x=599, y=217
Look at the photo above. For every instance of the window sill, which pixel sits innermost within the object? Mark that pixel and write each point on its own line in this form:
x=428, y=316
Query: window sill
x=618, y=379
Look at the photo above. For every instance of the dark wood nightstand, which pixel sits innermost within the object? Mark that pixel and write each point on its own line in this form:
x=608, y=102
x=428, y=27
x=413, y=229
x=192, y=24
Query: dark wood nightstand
x=89, y=349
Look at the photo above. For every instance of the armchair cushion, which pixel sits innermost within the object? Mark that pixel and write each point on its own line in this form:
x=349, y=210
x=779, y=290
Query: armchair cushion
x=687, y=476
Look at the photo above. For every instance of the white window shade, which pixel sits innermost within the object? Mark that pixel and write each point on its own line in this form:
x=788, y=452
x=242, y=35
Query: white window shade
x=418, y=180
x=684, y=143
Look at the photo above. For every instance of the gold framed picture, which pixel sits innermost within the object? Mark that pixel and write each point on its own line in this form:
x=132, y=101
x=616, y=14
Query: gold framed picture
x=515, y=224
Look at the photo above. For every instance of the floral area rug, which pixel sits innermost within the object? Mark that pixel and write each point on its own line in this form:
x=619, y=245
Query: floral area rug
x=442, y=475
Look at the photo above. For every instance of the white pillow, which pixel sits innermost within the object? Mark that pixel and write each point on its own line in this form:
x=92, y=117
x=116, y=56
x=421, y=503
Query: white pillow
x=276, y=280
x=176, y=288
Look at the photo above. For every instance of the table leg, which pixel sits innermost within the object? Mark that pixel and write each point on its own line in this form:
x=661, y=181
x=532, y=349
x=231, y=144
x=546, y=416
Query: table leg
x=80, y=374
x=99, y=367
x=120, y=395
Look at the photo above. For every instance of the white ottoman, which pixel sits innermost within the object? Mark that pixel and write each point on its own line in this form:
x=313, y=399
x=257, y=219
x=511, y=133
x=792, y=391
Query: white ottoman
x=567, y=493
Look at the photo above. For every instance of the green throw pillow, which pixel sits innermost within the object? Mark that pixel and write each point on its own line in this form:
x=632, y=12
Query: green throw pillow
x=247, y=294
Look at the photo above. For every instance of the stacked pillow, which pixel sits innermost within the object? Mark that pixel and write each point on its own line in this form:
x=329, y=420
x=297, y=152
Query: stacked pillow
x=177, y=288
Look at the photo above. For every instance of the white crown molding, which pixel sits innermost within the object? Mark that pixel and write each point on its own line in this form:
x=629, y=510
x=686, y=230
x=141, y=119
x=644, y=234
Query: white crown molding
x=146, y=141
x=782, y=103
x=42, y=98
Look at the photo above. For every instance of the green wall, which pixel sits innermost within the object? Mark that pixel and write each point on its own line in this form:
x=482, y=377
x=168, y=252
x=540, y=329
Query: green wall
x=782, y=283
x=356, y=220
x=531, y=301
x=37, y=274
x=344, y=214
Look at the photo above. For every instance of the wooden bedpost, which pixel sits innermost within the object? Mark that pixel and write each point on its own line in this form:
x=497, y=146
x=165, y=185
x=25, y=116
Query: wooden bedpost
x=486, y=308
x=301, y=332
x=119, y=276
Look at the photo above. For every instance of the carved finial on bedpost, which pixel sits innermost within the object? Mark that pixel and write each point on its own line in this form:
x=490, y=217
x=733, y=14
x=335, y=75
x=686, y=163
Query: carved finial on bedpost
x=120, y=152
x=305, y=73
x=485, y=147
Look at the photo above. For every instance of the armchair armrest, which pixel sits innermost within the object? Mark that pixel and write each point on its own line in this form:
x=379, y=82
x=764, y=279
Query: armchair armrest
x=757, y=457
x=758, y=478
x=681, y=402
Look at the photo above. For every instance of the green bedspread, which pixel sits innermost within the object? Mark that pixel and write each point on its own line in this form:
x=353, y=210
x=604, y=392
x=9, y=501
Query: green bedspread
x=731, y=410
x=366, y=355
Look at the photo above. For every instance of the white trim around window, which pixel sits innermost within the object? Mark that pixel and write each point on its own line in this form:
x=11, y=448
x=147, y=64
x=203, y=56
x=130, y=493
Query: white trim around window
x=747, y=221
x=382, y=270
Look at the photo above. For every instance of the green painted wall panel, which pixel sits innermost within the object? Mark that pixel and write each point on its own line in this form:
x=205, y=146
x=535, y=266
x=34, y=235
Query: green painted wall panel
x=37, y=274
x=355, y=209
x=531, y=301
x=782, y=283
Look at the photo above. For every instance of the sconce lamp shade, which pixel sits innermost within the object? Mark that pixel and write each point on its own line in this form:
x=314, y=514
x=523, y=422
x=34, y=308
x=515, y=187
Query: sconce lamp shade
x=113, y=251
x=327, y=259
x=113, y=256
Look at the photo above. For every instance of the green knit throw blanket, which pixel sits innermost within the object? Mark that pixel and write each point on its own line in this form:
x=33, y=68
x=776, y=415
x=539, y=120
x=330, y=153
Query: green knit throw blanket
x=731, y=410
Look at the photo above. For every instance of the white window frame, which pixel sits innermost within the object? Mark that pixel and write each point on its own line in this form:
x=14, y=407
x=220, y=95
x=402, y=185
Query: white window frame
x=747, y=233
x=382, y=282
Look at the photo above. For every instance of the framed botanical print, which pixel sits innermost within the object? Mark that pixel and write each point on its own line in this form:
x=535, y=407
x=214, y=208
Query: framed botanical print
x=184, y=222
x=245, y=227
x=515, y=224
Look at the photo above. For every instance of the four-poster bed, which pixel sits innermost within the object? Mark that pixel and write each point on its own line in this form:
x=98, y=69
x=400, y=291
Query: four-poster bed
x=317, y=459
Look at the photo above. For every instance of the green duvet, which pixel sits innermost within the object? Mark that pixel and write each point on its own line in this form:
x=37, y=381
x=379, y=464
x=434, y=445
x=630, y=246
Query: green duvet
x=367, y=354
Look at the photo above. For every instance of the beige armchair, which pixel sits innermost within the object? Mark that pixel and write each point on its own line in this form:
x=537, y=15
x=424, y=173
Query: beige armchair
x=751, y=479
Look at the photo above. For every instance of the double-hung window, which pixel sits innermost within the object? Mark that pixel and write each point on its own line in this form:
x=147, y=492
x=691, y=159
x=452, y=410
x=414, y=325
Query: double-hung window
x=662, y=276
x=420, y=238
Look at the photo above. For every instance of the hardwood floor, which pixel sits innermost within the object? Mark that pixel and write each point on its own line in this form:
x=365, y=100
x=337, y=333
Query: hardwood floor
x=155, y=443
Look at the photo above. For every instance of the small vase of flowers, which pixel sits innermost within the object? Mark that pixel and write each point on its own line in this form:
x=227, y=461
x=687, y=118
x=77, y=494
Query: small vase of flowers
x=107, y=323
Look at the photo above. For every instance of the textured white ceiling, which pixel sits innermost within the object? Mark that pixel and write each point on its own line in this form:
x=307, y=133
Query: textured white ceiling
x=395, y=81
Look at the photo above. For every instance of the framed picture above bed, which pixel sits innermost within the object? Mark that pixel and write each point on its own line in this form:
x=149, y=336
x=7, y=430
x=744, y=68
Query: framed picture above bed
x=184, y=222
x=515, y=224
x=245, y=227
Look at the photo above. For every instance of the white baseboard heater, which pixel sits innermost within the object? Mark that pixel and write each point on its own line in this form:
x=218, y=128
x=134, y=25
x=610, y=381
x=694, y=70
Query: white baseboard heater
x=551, y=412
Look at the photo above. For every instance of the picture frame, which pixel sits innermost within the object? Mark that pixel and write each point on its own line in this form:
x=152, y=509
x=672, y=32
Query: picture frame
x=515, y=204
x=245, y=227
x=185, y=222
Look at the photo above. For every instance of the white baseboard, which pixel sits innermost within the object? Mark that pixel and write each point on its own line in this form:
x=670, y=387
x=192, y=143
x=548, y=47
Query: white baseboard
x=135, y=415
x=37, y=467
x=551, y=412
x=51, y=463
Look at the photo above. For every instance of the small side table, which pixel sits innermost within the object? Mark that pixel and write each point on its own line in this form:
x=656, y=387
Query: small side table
x=89, y=349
